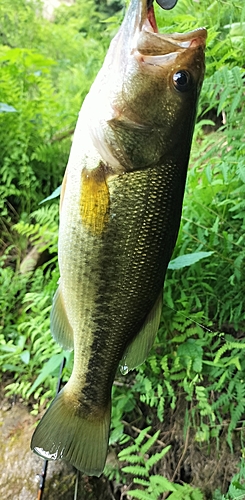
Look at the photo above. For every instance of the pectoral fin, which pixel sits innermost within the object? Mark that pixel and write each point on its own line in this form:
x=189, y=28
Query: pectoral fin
x=95, y=199
x=139, y=348
x=59, y=323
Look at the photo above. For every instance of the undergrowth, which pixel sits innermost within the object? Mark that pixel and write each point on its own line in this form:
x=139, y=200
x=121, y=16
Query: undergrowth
x=141, y=466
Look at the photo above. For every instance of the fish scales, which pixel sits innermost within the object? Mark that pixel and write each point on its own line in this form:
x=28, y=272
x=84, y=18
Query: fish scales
x=120, y=211
x=138, y=260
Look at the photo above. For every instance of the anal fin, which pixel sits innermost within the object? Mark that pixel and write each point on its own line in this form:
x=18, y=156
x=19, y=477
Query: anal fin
x=139, y=348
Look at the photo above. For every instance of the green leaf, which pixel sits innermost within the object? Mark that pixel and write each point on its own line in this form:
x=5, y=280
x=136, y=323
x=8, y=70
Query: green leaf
x=163, y=482
x=116, y=434
x=136, y=470
x=238, y=485
x=191, y=351
x=149, y=443
x=126, y=452
x=142, y=435
x=187, y=259
x=54, y=194
x=52, y=364
x=143, y=482
x=25, y=357
x=142, y=495
x=11, y=368
x=157, y=457
x=6, y=108
x=135, y=459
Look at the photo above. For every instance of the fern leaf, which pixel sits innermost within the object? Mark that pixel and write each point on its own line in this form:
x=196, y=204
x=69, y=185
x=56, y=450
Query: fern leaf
x=178, y=495
x=136, y=470
x=134, y=459
x=186, y=492
x=170, y=389
x=236, y=101
x=164, y=365
x=156, y=457
x=141, y=436
x=163, y=482
x=142, y=482
x=227, y=347
x=237, y=410
x=142, y=495
x=160, y=408
x=196, y=494
x=127, y=451
x=149, y=443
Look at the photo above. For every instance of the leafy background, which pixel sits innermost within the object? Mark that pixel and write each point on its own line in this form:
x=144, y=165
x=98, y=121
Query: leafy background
x=178, y=420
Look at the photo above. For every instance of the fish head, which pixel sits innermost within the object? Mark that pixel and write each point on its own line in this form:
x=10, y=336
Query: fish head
x=149, y=86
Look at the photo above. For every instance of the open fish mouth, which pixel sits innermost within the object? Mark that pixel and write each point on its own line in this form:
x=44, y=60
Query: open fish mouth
x=155, y=48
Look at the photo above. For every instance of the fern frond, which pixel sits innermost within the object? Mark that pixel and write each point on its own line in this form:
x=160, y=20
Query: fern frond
x=157, y=457
x=223, y=401
x=134, y=459
x=227, y=347
x=136, y=470
x=149, y=443
x=164, y=365
x=142, y=435
x=127, y=451
x=141, y=495
x=163, y=482
x=237, y=410
x=142, y=482
x=186, y=492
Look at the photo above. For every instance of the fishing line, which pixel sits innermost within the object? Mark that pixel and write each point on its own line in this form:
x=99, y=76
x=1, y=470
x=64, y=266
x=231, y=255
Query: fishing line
x=43, y=474
x=76, y=485
x=191, y=319
x=42, y=477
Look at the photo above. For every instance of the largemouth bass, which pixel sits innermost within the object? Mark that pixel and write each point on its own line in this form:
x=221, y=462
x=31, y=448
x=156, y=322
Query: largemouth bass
x=120, y=212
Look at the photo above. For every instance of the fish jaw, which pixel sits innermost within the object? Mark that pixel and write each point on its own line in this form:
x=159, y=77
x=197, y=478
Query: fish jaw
x=135, y=98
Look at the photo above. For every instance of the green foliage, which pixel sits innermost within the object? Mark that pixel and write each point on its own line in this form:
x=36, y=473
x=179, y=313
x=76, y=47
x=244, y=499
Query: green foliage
x=42, y=233
x=28, y=345
x=141, y=466
x=236, y=489
x=30, y=164
x=35, y=82
x=187, y=260
x=194, y=360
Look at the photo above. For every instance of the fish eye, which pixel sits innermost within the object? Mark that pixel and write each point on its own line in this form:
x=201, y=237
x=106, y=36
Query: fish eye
x=182, y=80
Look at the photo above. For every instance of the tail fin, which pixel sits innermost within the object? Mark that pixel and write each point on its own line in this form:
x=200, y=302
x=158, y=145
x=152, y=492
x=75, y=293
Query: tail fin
x=64, y=432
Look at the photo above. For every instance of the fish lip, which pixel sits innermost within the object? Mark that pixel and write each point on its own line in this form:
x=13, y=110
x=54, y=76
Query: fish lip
x=172, y=44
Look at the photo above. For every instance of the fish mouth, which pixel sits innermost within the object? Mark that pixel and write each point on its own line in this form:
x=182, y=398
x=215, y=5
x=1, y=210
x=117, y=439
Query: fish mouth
x=154, y=48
